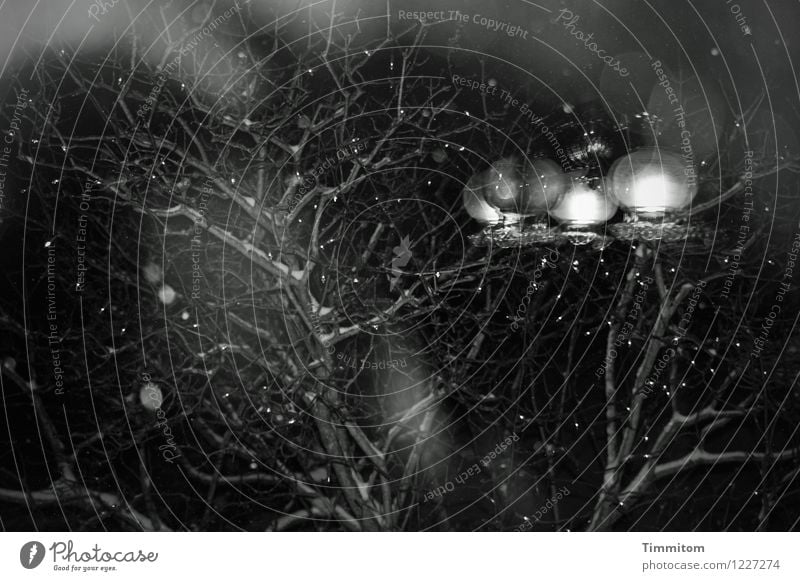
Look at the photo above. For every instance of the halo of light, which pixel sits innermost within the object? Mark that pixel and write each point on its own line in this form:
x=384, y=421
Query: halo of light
x=652, y=181
x=583, y=206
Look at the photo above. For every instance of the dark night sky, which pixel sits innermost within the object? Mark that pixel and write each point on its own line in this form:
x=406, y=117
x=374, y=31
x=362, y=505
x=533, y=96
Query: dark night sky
x=740, y=50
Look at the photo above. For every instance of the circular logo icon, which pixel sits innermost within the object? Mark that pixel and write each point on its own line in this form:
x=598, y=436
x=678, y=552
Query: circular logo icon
x=31, y=554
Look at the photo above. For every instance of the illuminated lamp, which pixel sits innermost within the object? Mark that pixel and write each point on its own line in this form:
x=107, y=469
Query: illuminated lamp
x=521, y=193
x=652, y=185
x=582, y=209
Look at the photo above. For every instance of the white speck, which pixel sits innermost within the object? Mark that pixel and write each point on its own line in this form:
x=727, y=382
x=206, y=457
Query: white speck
x=152, y=272
x=167, y=295
x=150, y=396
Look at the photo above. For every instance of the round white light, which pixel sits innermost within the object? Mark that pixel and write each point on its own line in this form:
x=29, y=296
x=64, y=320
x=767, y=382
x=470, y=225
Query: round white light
x=653, y=181
x=510, y=190
x=582, y=206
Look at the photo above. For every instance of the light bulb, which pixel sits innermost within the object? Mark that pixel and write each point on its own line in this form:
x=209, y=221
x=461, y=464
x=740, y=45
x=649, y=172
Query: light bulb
x=653, y=181
x=582, y=206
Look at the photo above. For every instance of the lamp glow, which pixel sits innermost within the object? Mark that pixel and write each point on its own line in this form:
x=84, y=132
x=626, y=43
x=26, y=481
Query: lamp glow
x=652, y=181
x=512, y=199
x=510, y=190
x=584, y=207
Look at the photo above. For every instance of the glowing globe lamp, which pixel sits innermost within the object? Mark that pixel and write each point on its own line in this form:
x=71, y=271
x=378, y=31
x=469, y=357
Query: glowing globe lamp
x=583, y=206
x=581, y=210
x=512, y=199
x=653, y=182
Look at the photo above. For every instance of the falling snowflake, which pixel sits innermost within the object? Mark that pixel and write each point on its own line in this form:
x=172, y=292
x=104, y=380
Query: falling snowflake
x=150, y=396
x=152, y=272
x=167, y=295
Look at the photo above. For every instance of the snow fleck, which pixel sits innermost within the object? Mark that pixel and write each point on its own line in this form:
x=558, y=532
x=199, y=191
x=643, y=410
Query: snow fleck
x=150, y=396
x=167, y=294
x=152, y=272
